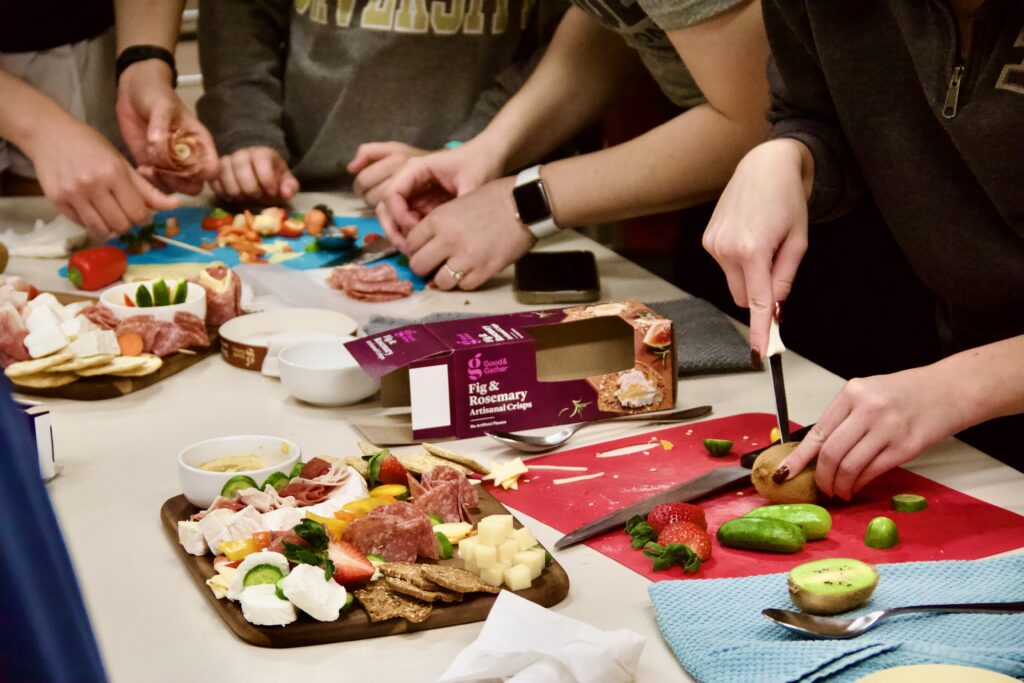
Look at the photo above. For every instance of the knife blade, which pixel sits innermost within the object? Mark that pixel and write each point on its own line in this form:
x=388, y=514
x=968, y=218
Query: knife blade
x=779, y=386
x=376, y=250
x=709, y=482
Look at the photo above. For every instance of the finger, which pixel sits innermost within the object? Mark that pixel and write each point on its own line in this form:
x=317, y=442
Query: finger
x=369, y=153
x=857, y=459
x=794, y=463
x=211, y=162
x=159, y=128
x=228, y=180
x=69, y=211
x=133, y=204
x=94, y=225
x=423, y=234
x=217, y=187
x=289, y=184
x=428, y=259
x=266, y=172
x=787, y=261
x=154, y=198
x=737, y=285
x=375, y=175
x=833, y=454
x=246, y=176
x=391, y=231
x=450, y=276
x=757, y=279
x=111, y=212
x=886, y=460
x=414, y=178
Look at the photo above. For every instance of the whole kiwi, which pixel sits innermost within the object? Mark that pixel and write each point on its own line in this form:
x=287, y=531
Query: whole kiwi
x=799, y=489
x=3, y=257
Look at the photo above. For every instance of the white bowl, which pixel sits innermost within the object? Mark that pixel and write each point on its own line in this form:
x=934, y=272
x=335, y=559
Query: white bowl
x=201, y=487
x=324, y=373
x=195, y=301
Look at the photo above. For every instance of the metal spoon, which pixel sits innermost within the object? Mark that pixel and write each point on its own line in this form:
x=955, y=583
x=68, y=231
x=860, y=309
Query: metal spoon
x=546, y=442
x=833, y=627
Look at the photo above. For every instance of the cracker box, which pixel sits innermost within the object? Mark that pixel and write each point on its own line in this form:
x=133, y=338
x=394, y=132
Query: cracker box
x=463, y=378
x=37, y=416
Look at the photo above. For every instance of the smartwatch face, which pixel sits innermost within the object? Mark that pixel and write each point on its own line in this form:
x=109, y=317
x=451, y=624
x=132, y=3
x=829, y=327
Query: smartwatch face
x=531, y=202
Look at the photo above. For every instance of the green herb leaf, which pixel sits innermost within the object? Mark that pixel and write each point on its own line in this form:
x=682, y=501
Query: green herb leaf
x=671, y=555
x=312, y=532
x=301, y=554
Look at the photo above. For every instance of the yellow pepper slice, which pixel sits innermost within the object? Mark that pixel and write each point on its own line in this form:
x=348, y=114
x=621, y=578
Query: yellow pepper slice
x=237, y=550
x=391, y=490
x=366, y=504
x=335, y=527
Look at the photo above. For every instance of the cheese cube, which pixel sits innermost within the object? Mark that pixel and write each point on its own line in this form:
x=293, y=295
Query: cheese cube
x=486, y=556
x=72, y=310
x=45, y=300
x=191, y=537
x=215, y=527
x=525, y=538
x=493, y=530
x=95, y=343
x=467, y=548
x=262, y=607
x=77, y=326
x=244, y=523
x=507, y=549
x=470, y=566
x=495, y=575
x=533, y=559
x=45, y=341
x=517, y=577
x=41, y=318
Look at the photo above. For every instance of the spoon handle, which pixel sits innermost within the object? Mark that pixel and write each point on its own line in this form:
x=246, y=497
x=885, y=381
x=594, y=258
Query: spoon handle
x=989, y=607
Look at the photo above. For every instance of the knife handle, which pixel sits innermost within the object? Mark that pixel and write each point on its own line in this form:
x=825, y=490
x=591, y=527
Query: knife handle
x=747, y=459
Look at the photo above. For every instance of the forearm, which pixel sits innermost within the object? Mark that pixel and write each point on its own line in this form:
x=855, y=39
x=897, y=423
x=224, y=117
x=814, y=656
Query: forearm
x=148, y=22
x=639, y=177
x=28, y=114
x=985, y=382
x=585, y=69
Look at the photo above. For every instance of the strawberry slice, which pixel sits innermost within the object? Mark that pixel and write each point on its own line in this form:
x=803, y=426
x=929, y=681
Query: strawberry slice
x=667, y=513
x=351, y=568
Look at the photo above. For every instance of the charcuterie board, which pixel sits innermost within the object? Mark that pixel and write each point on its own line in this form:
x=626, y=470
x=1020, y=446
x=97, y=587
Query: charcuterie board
x=547, y=590
x=107, y=386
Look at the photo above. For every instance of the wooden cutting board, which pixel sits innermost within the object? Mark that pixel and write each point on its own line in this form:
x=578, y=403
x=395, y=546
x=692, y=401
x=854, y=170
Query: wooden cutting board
x=549, y=589
x=107, y=386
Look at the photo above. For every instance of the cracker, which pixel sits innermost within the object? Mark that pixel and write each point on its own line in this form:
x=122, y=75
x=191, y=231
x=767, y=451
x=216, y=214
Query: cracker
x=382, y=604
x=418, y=463
x=37, y=365
x=408, y=572
x=358, y=464
x=81, y=363
x=444, y=453
x=118, y=365
x=458, y=580
x=152, y=364
x=45, y=380
x=412, y=590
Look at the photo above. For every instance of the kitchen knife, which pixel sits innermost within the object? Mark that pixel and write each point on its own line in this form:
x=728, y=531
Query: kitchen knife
x=775, y=350
x=709, y=482
x=376, y=250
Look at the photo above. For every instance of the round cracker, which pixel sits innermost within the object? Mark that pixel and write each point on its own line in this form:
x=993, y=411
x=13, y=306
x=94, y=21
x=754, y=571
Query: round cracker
x=82, y=363
x=153, y=363
x=37, y=365
x=45, y=380
x=117, y=365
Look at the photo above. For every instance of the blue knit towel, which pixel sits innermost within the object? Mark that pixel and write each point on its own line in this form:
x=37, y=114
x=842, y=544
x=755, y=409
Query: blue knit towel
x=717, y=631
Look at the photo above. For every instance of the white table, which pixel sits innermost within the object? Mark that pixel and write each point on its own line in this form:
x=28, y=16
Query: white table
x=154, y=625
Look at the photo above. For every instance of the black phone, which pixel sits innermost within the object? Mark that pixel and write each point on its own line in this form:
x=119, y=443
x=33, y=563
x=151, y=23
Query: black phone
x=553, y=277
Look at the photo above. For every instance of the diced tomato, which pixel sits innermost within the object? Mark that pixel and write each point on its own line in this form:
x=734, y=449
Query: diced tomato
x=214, y=222
x=263, y=538
x=291, y=228
x=370, y=238
x=128, y=301
x=32, y=292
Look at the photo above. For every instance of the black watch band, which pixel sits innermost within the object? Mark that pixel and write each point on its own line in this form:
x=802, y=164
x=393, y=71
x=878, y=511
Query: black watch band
x=140, y=53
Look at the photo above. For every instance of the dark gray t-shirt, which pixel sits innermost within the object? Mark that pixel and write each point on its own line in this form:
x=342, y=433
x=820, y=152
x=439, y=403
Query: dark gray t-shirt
x=643, y=23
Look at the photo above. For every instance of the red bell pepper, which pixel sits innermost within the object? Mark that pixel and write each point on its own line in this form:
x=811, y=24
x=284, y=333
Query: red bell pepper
x=97, y=267
x=217, y=220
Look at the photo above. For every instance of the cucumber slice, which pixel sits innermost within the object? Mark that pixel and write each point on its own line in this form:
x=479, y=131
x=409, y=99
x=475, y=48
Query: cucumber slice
x=296, y=470
x=276, y=479
x=909, y=502
x=236, y=484
x=435, y=520
x=143, y=299
x=718, y=447
x=349, y=598
x=376, y=559
x=447, y=552
x=881, y=533
x=279, y=589
x=180, y=292
x=263, y=573
x=161, y=293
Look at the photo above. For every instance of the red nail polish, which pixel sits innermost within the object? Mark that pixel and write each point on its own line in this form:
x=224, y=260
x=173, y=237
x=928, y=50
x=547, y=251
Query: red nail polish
x=778, y=310
x=780, y=474
x=755, y=359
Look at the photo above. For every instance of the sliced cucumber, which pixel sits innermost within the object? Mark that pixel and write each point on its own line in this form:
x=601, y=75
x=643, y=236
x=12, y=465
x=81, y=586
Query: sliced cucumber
x=881, y=533
x=279, y=589
x=263, y=573
x=909, y=502
x=376, y=559
x=276, y=479
x=161, y=293
x=435, y=520
x=236, y=484
x=143, y=299
x=718, y=447
x=296, y=470
x=180, y=292
x=447, y=552
x=349, y=598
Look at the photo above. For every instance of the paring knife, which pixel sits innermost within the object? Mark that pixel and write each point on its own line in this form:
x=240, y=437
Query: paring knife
x=775, y=350
x=709, y=482
x=376, y=250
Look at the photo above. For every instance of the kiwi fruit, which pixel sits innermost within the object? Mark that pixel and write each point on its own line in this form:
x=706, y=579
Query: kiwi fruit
x=3, y=257
x=799, y=489
x=832, y=585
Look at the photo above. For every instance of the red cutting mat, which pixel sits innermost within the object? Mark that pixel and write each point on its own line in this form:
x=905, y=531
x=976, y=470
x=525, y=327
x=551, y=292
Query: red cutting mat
x=955, y=526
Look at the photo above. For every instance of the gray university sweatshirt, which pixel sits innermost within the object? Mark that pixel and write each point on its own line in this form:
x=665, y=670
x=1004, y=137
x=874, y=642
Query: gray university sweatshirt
x=314, y=79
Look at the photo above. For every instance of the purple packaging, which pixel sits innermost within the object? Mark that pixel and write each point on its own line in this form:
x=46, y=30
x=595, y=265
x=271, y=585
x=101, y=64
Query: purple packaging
x=463, y=378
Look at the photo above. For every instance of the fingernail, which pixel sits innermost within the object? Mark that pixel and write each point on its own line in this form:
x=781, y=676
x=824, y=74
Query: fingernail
x=780, y=474
x=778, y=310
x=755, y=359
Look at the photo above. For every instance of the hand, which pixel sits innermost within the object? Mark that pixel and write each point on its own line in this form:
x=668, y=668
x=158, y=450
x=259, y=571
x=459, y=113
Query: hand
x=92, y=184
x=758, y=232
x=375, y=163
x=149, y=112
x=876, y=424
x=424, y=183
x=257, y=174
x=477, y=235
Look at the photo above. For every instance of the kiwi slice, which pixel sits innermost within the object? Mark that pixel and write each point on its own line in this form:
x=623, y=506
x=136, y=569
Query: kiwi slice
x=881, y=533
x=832, y=585
x=718, y=447
x=909, y=502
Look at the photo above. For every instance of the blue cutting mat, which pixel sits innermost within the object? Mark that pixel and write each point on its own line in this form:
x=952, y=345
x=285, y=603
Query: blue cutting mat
x=190, y=219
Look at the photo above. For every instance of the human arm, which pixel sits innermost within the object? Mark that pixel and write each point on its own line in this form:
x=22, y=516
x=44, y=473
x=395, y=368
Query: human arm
x=878, y=423
x=79, y=170
x=242, y=103
x=148, y=109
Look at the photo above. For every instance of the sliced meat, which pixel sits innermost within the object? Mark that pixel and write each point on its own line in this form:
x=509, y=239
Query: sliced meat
x=218, y=503
x=266, y=500
x=186, y=330
x=101, y=316
x=466, y=496
x=223, y=294
x=377, y=283
x=184, y=155
x=399, y=532
x=277, y=545
x=442, y=500
x=384, y=272
x=306, y=492
x=314, y=468
x=12, y=335
x=195, y=328
x=146, y=326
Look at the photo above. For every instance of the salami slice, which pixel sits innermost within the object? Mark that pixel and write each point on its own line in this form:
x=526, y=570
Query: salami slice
x=100, y=316
x=441, y=500
x=398, y=532
x=146, y=326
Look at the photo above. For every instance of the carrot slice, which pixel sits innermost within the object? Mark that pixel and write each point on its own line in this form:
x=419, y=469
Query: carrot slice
x=131, y=344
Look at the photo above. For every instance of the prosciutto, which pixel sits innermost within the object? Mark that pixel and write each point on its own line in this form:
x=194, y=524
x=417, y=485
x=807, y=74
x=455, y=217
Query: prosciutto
x=101, y=316
x=316, y=489
x=218, y=504
x=184, y=155
x=12, y=335
x=399, y=532
x=223, y=294
x=266, y=500
x=445, y=492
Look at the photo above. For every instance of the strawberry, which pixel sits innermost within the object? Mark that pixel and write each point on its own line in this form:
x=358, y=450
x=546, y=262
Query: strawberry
x=667, y=513
x=392, y=472
x=688, y=534
x=351, y=568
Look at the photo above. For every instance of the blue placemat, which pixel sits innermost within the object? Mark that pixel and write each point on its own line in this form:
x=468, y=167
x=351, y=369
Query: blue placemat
x=717, y=631
x=190, y=219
